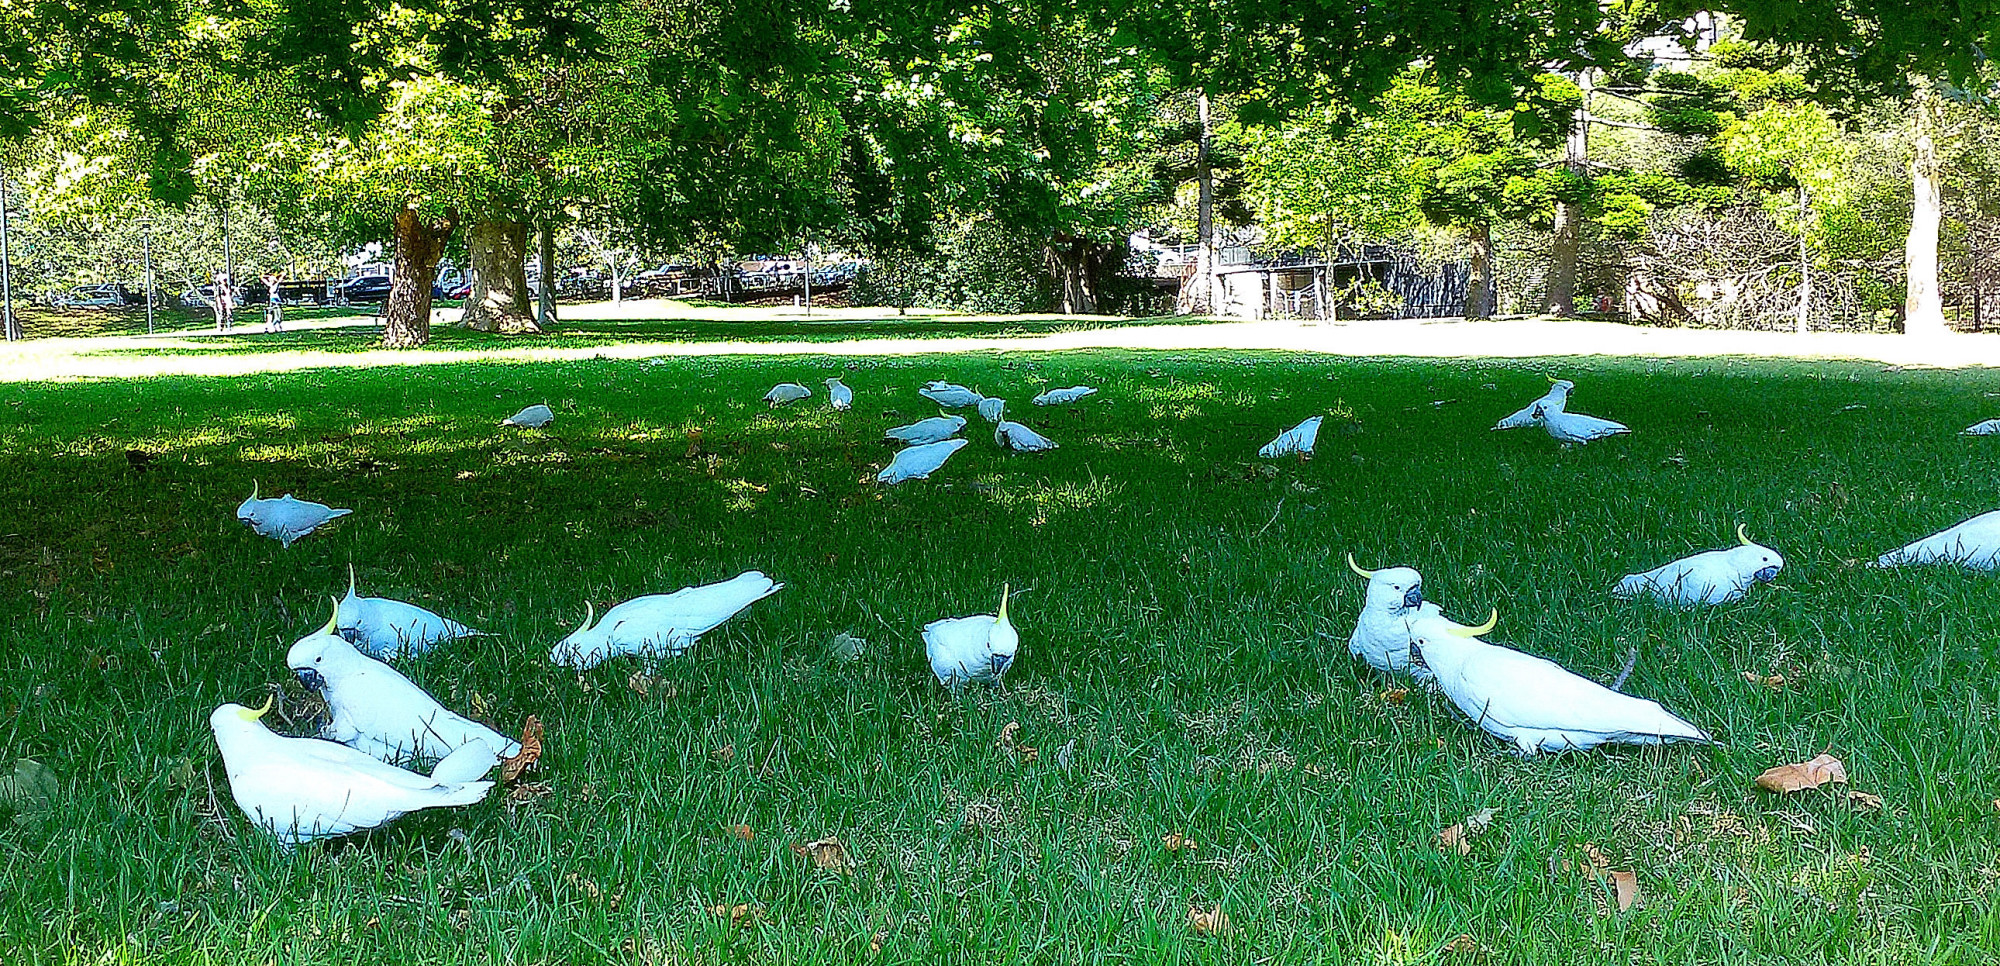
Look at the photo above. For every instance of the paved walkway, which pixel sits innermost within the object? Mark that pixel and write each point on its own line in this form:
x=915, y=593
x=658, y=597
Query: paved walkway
x=209, y=354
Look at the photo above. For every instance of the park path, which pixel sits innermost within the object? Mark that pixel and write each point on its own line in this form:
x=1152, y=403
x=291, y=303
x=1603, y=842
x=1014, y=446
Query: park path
x=211, y=354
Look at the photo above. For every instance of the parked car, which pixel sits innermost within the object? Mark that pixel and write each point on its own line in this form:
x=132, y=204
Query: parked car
x=105, y=296
x=365, y=288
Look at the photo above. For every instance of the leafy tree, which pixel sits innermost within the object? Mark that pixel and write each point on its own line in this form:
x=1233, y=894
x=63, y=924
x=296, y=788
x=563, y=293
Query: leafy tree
x=1792, y=151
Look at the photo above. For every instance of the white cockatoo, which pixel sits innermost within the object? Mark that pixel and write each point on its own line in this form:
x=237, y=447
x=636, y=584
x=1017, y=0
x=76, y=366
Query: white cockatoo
x=1063, y=397
x=1714, y=577
x=302, y=789
x=1008, y=434
x=1575, y=428
x=1974, y=544
x=933, y=430
x=284, y=519
x=918, y=462
x=1556, y=398
x=533, y=417
x=1393, y=612
x=964, y=650
x=991, y=407
x=660, y=625
x=786, y=392
x=838, y=395
x=948, y=395
x=389, y=629
x=1990, y=427
x=376, y=710
x=1298, y=439
x=1538, y=704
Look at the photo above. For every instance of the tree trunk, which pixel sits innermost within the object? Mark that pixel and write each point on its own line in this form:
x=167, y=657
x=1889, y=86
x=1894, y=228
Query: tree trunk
x=498, y=301
x=1559, y=297
x=1479, y=283
x=406, y=320
x=1805, y=262
x=1923, y=306
x=1069, y=261
x=1204, y=259
x=545, y=287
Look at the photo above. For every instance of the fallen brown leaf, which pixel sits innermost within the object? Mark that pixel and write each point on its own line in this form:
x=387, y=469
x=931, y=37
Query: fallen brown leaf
x=1864, y=800
x=1010, y=741
x=827, y=853
x=1394, y=695
x=1210, y=922
x=524, y=792
x=724, y=753
x=743, y=832
x=1624, y=884
x=875, y=941
x=1175, y=842
x=640, y=682
x=1462, y=945
x=1821, y=770
x=531, y=751
x=585, y=886
x=740, y=914
x=1458, y=838
x=1773, y=681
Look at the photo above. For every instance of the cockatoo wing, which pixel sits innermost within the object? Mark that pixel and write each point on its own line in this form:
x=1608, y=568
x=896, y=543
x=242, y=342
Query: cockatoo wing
x=919, y=462
x=304, y=788
x=932, y=430
x=1508, y=692
x=960, y=648
x=470, y=762
x=1974, y=543
x=949, y=395
x=1705, y=578
x=1059, y=397
x=990, y=409
x=388, y=629
x=1298, y=439
x=391, y=718
x=533, y=417
x=1578, y=428
x=1014, y=436
x=1990, y=427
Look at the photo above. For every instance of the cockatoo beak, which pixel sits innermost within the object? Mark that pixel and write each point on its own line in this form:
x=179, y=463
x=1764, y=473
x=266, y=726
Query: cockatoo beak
x=1459, y=630
x=249, y=715
x=1741, y=536
x=1414, y=597
x=1351, y=565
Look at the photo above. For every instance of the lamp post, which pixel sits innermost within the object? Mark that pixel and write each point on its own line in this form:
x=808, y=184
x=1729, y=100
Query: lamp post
x=7, y=320
x=146, y=226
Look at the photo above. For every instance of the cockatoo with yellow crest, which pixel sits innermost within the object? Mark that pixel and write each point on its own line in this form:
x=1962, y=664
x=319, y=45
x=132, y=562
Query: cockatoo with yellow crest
x=1392, y=611
x=660, y=625
x=977, y=649
x=1714, y=577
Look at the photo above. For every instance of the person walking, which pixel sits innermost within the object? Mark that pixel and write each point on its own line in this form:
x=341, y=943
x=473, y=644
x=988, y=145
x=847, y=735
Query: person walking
x=274, y=305
x=224, y=301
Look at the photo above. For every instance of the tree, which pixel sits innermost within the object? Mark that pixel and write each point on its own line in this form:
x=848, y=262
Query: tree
x=1794, y=150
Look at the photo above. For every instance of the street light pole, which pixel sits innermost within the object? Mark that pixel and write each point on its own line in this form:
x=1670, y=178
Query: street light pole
x=146, y=225
x=7, y=320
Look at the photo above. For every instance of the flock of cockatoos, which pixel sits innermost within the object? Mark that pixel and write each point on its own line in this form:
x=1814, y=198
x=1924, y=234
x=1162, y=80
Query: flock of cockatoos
x=358, y=772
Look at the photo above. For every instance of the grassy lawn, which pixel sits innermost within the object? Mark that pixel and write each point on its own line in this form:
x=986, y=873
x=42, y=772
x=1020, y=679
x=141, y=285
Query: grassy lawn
x=1183, y=667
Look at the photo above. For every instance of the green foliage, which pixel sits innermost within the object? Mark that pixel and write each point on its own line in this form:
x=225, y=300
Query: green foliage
x=1736, y=54
x=979, y=265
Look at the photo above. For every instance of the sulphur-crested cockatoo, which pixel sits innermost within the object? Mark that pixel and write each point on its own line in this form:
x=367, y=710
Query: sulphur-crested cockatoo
x=284, y=519
x=301, y=789
x=1538, y=704
x=1556, y=398
x=1008, y=434
x=948, y=395
x=1393, y=612
x=376, y=710
x=1573, y=428
x=838, y=395
x=1990, y=427
x=1715, y=577
x=786, y=392
x=533, y=417
x=1298, y=439
x=390, y=629
x=1063, y=397
x=964, y=650
x=932, y=430
x=1974, y=544
x=918, y=462
x=661, y=625
x=991, y=407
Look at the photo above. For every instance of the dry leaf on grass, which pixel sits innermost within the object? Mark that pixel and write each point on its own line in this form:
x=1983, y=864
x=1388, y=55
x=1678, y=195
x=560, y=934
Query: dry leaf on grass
x=827, y=853
x=1210, y=922
x=1864, y=800
x=583, y=885
x=1394, y=695
x=1624, y=884
x=742, y=832
x=640, y=682
x=875, y=941
x=1772, y=681
x=1458, y=838
x=1821, y=770
x=1175, y=842
x=724, y=753
x=531, y=751
x=740, y=914
x=1010, y=741
x=1462, y=945
x=525, y=792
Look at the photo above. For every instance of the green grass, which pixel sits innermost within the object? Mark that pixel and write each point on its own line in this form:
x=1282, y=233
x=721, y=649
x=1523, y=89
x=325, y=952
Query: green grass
x=43, y=322
x=1183, y=666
